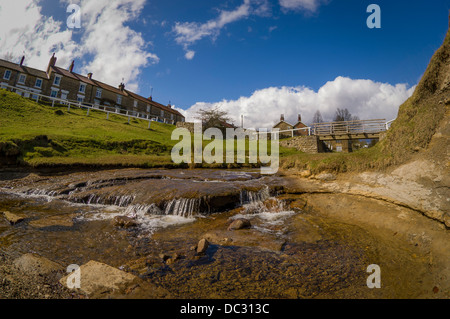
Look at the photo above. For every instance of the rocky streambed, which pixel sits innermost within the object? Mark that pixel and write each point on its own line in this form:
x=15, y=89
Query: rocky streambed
x=211, y=234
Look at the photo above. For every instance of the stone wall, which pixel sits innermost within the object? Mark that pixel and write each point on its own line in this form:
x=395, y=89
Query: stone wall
x=307, y=144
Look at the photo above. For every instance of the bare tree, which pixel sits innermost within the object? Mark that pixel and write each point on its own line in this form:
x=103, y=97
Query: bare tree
x=317, y=118
x=213, y=117
x=343, y=115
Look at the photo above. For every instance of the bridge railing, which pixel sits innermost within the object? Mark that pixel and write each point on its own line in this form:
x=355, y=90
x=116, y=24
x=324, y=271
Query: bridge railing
x=349, y=127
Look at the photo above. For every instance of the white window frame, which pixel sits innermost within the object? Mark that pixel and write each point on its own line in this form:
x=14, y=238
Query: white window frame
x=82, y=85
x=54, y=90
x=135, y=103
x=148, y=108
x=59, y=77
x=24, y=78
x=80, y=98
x=9, y=76
x=162, y=113
x=96, y=102
x=119, y=99
x=98, y=93
x=38, y=86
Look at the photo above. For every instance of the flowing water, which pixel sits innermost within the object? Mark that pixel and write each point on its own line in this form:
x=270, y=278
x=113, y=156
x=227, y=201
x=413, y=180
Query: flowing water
x=288, y=252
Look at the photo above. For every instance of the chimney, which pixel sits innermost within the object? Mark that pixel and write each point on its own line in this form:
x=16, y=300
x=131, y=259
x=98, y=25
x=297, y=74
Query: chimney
x=89, y=75
x=21, y=60
x=150, y=98
x=282, y=117
x=121, y=86
x=299, y=118
x=51, y=63
x=71, y=66
x=170, y=106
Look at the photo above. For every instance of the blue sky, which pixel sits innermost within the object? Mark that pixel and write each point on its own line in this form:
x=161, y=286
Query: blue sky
x=253, y=57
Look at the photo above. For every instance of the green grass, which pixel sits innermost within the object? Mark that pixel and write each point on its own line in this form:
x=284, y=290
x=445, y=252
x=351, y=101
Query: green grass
x=47, y=136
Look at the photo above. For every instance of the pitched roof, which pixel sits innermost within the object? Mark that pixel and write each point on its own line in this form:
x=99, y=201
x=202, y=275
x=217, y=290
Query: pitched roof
x=22, y=69
x=72, y=75
x=151, y=102
x=282, y=122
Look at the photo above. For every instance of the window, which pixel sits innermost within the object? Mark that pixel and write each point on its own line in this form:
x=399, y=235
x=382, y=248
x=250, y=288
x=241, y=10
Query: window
x=54, y=93
x=82, y=88
x=80, y=99
x=7, y=75
x=57, y=80
x=63, y=96
x=98, y=93
x=119, y=99
x=22, y=79
x=38, y=83
x=171, y=116
x=148, y=108
x=96, y=102
x=135, y=103
x=162, y=113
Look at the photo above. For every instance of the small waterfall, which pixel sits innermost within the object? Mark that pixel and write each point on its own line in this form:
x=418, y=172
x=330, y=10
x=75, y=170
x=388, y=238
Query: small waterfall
x=247, y=197
x=183, y=207
x=94, y=199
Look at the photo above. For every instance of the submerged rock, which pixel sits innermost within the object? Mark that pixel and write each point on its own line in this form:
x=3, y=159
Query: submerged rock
x=59, y=220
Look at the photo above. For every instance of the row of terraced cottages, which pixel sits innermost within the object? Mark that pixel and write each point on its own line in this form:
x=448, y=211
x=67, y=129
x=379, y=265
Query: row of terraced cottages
x=64, y=84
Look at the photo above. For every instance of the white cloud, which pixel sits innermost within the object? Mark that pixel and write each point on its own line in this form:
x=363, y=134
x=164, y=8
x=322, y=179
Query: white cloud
x=109, y=49
x=297, y=5
x=187, y=33
x=189, y=55
x=25, y=31
x=364, y=98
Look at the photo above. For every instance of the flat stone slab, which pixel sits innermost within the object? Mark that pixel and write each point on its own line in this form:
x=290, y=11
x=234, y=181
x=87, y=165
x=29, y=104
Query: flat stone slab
x=36, y=265
x=59, y=220
x=13, y=218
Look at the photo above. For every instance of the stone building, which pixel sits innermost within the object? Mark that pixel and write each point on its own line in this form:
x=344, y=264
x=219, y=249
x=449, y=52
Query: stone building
x=283, y=126
x=57, y=82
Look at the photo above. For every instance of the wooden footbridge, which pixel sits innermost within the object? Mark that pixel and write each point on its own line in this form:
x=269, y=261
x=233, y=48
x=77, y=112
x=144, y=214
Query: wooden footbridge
x=345, y=130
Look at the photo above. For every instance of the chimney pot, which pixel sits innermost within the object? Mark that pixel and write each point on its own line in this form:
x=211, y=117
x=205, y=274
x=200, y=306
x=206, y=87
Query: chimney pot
x=282, y=117
x=89, y=75
x=71, y=66
x=121, y=86
x=299, y=118
x=21, y=60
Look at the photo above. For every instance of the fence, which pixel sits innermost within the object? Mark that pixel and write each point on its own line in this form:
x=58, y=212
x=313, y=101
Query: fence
x=98, y=107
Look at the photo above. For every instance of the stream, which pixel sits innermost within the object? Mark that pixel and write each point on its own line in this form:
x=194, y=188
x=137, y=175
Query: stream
x=294, y=248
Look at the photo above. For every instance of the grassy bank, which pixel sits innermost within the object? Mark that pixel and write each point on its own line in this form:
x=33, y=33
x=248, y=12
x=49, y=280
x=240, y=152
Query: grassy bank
x=42, y=135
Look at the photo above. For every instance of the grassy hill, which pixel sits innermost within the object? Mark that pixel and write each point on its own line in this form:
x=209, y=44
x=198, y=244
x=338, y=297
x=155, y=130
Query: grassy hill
x=41, y=135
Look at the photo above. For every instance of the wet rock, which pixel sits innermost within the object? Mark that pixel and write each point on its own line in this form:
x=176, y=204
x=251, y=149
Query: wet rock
x=124, y=222
x=12, y=218
x=59, y=220
x=239, y=223
x=97, y=278
x=36, y=265
x=202, y=246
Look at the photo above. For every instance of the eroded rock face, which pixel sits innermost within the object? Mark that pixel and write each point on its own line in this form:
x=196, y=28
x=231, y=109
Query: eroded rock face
x=124, y=221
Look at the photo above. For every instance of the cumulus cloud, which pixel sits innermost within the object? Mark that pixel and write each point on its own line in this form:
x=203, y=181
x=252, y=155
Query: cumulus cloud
x=25, y=31
x=364, y=98
x=187, y=33
x=108, y=48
